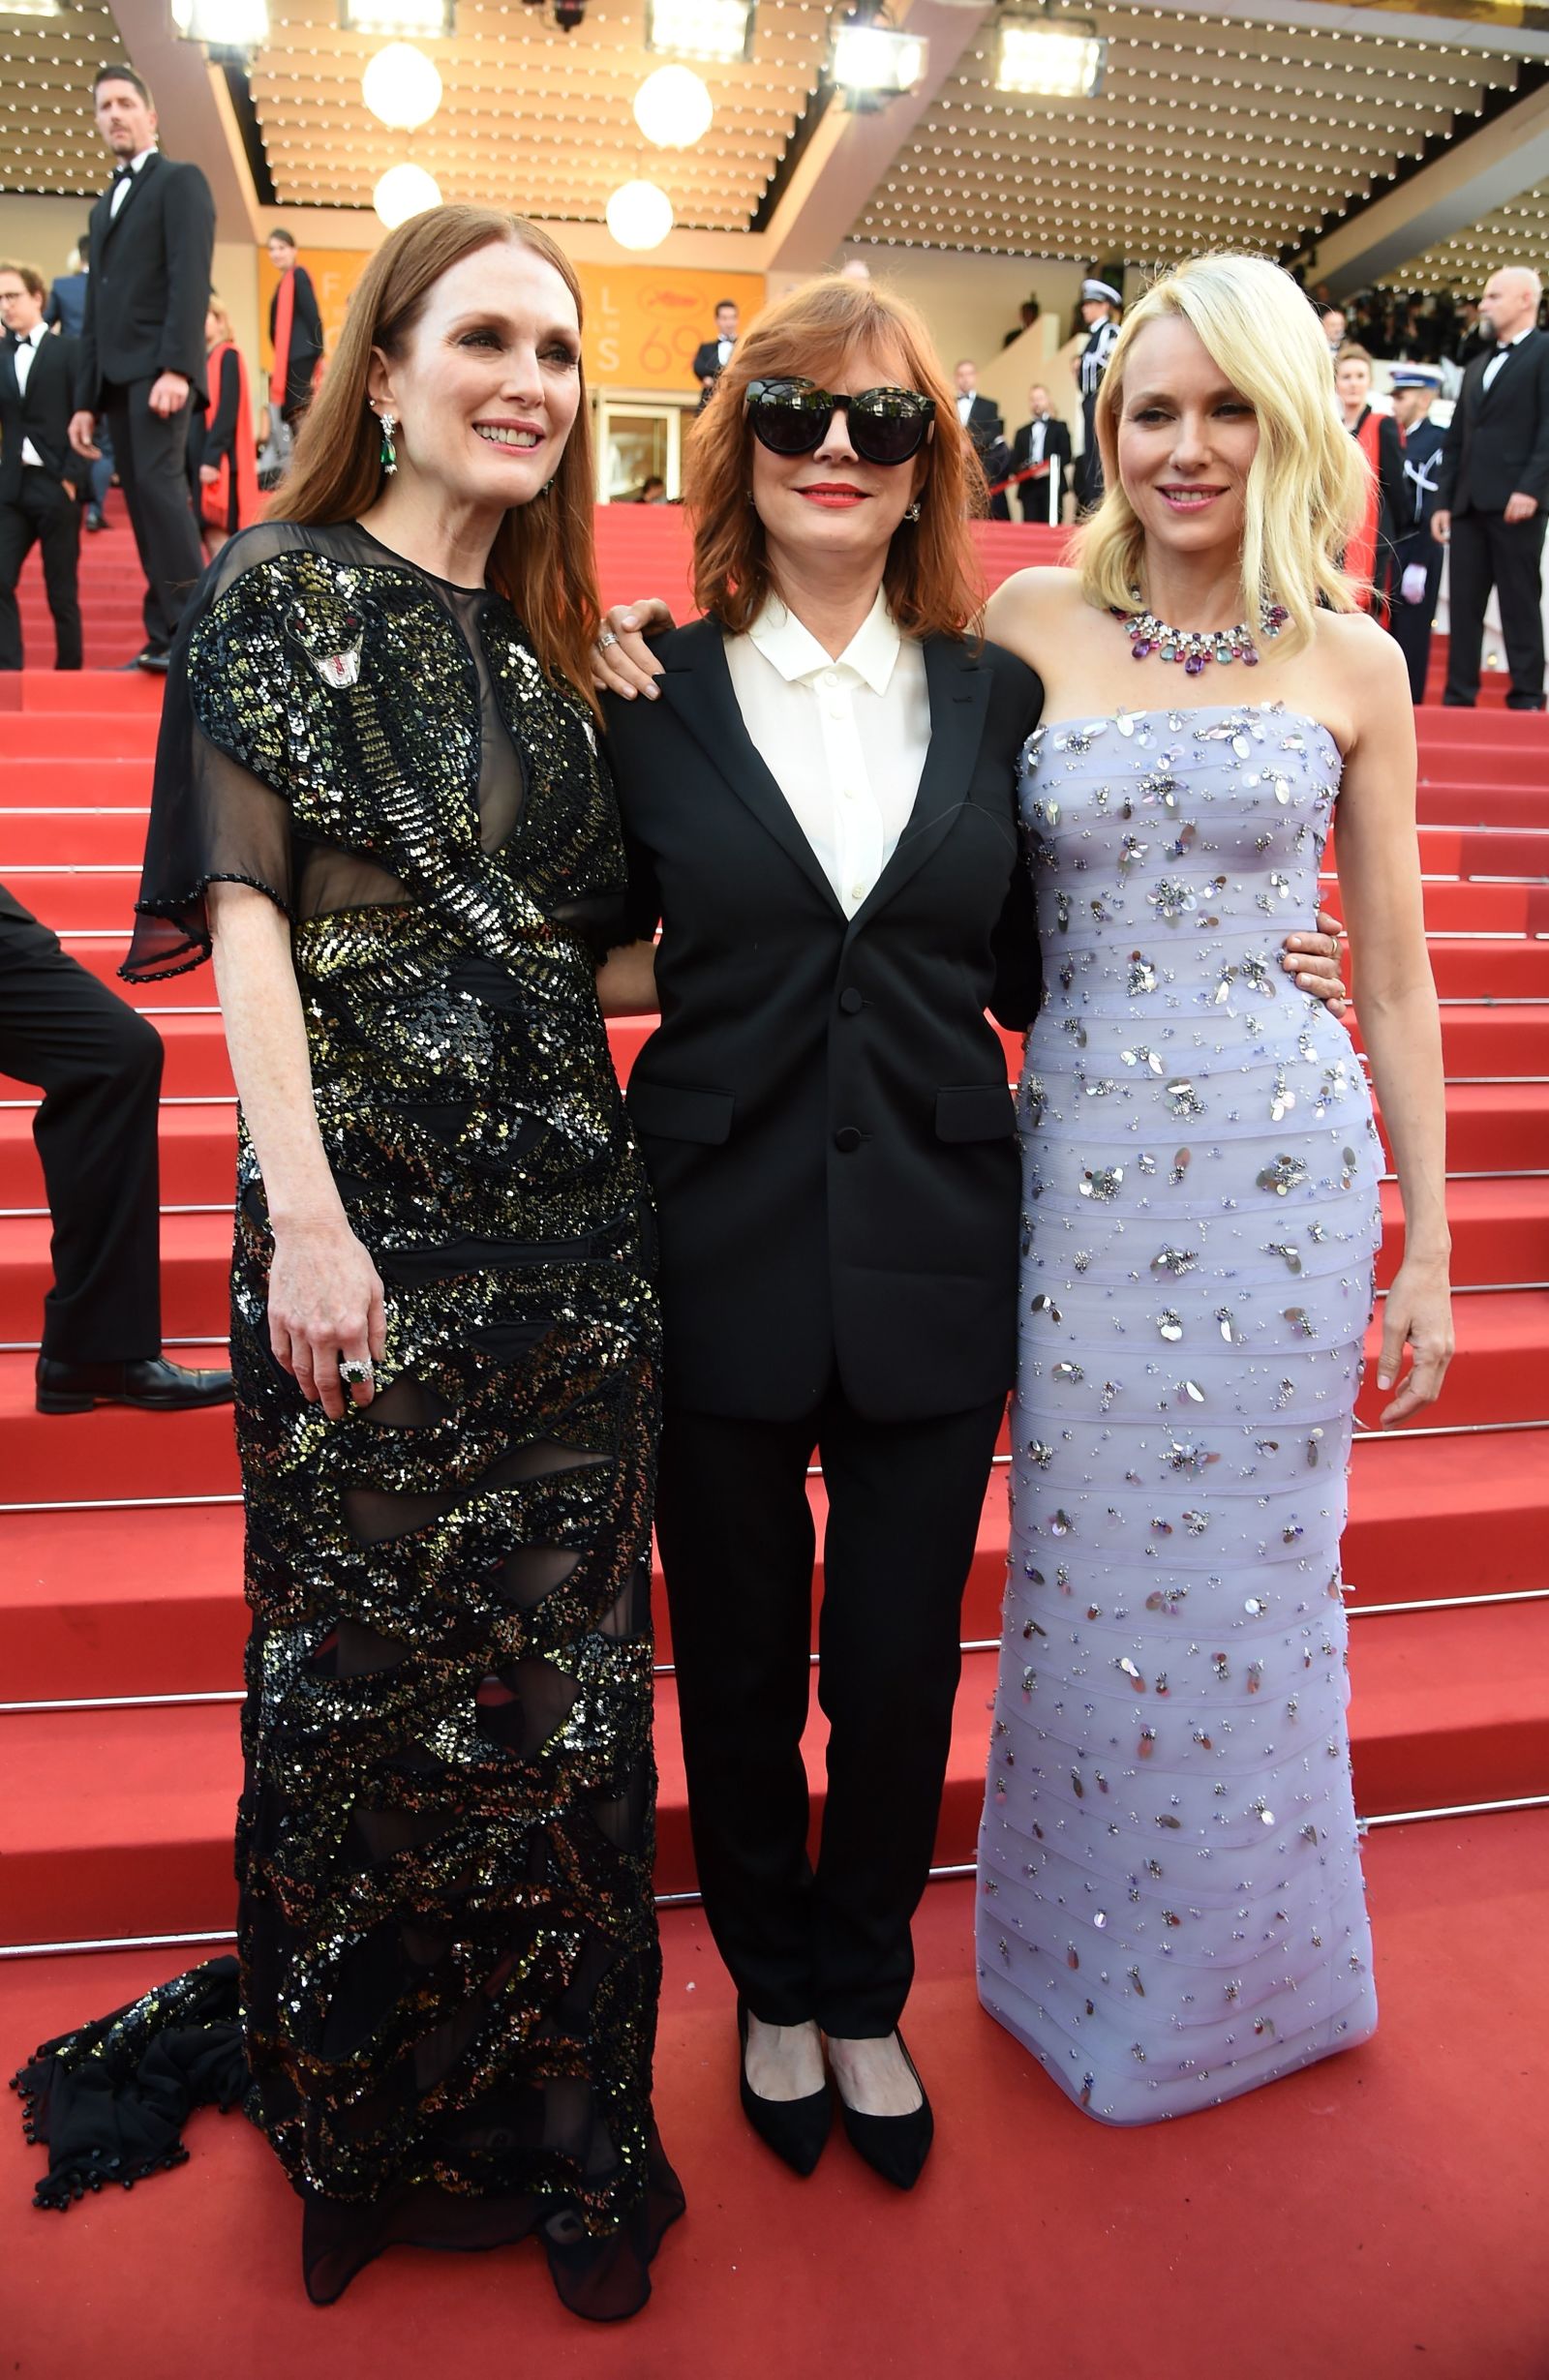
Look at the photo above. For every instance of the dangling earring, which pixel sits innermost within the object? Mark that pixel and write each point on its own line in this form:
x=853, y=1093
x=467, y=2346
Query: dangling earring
x=911, y=512
x=388, y=423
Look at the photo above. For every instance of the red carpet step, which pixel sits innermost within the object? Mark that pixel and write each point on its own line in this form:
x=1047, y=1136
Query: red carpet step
x=117, y=1823
x=108, y=1603
x=1038, y=2243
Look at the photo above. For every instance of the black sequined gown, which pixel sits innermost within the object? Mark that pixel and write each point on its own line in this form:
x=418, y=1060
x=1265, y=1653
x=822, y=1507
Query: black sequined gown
x=448, y=1957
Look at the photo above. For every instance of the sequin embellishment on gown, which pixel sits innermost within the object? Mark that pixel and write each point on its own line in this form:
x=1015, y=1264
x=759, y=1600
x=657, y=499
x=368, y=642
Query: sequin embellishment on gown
x=1171, y=1908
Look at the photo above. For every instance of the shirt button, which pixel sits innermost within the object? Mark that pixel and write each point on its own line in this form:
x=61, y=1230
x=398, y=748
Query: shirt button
x=857, y=892
x=851, y=1002
x=831, y=677
x=848, y=1138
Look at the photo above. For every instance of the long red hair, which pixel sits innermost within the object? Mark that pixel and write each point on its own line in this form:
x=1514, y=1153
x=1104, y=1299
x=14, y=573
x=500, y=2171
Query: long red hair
x=932, y=581
x=543, y=560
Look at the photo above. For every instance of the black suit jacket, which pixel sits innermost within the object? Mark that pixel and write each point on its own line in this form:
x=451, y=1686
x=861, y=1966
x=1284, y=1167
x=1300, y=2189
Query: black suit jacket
x=824, y=1108
x=983, y=424
x=707, y=360
x=1034, y=493
x=42, y=415
x=149, y=285
x=1498, y=441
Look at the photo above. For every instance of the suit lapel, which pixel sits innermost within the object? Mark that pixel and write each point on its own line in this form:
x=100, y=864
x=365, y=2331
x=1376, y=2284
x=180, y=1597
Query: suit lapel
x=958, y=687
x=698, y=686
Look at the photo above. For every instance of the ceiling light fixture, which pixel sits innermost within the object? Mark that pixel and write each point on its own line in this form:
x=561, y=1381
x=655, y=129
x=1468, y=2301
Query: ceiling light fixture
x=673, y=107
x=402, y=86
x=223, y=24
x=872, y=61
x=405, y=190
x=720, y=30
x=639, y=215
x=1050, y=57
x=433, y=20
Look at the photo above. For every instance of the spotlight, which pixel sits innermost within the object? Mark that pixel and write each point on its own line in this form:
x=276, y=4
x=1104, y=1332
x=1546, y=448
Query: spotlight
x=673, y=107
x=402, y=86
x=405, y=190
x=433, y=20
x=871, y=62
x=1050, y=57
x=639, y=215
x=720, y=30
x=223, y=24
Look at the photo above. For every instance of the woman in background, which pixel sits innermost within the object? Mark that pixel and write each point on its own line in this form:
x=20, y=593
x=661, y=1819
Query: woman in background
x=222, y=456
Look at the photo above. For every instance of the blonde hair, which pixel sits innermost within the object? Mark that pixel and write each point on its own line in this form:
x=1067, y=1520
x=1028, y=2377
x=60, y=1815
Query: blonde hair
x=1307, y=487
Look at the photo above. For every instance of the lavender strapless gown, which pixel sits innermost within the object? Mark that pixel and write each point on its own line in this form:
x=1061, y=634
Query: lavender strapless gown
x=1171, y=1908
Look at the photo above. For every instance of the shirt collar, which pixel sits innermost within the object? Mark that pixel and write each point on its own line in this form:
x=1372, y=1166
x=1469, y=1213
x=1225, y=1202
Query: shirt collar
x=33, y=337
x=794, y=651
x=1517, y=341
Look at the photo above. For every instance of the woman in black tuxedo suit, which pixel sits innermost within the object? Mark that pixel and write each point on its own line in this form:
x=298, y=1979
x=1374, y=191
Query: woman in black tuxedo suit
x=820, y=810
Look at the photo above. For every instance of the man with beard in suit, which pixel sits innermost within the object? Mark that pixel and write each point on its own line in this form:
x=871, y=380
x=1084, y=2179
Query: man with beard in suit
x=142, y=349
x=1492, y=488
x=713, y=356
x=1041, y=444
x=1099, y=311
x=40, y=478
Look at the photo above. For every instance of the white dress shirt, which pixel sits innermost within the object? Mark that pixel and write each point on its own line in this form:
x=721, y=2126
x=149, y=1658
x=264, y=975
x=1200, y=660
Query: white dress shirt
x=120, y=191
x=844, y=740
x=965, y=406
x=1497, y=362
x=22, y=356
x=1037, y=434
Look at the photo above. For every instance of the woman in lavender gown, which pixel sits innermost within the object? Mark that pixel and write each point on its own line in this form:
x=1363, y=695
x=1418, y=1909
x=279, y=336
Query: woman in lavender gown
x=1171, y=1906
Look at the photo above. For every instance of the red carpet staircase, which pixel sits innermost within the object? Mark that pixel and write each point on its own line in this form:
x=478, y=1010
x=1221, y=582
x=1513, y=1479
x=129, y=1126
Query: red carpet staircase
x=121, y=1614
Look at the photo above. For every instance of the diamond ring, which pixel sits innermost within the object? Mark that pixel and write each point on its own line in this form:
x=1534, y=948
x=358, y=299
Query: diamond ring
x=355, y=1374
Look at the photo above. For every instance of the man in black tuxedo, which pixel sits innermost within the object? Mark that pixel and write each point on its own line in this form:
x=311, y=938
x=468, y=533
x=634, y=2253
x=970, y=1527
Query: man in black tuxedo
x=713, y=356
x=142, y=349
x=41, y=477
x=1492, y=488
x=981, y=418
x=1043, y=443
x=296, y=326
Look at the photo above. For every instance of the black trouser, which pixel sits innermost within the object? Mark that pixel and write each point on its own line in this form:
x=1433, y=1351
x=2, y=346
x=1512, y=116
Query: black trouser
x=152, y=458
x=1488, y=551
x=98, y=1066
x=45, y=513
x=1411, y=623
x=737, y=1544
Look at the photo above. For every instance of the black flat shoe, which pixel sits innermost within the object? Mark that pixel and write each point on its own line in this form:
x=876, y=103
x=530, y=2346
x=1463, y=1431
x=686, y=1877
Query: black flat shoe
x=896, y=2147
x=796, y=2129
x=149, y=1381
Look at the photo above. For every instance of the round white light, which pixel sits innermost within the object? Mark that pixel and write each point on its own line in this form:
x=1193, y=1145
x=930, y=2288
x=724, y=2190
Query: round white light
x=402, y=86
x=673, y=107
x=404, y=191
x=639, y=215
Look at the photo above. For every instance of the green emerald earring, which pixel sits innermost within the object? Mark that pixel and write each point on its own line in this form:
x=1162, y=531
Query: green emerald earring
x=388, y=423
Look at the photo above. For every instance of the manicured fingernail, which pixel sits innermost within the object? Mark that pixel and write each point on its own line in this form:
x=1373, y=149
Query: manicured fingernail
x=651, y=693
x=1385, y=1379
x=629, y=619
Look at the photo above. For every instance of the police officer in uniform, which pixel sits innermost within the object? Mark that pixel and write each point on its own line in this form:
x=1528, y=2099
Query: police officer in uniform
x=1416, y=567
x=1099, y=311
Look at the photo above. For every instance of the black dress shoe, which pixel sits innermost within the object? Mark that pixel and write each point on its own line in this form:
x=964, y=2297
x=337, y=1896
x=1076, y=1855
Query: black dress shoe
x=148, y=1381
x=896, y=2147
x=156, y=661
x=96, y=518
x=796, y=2129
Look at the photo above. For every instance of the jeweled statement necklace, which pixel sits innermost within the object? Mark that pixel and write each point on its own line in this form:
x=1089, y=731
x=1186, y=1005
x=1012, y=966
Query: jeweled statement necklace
x=1195, y=646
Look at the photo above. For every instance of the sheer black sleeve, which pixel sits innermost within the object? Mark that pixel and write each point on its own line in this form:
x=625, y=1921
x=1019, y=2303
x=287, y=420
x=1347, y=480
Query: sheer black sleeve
x=214, y=818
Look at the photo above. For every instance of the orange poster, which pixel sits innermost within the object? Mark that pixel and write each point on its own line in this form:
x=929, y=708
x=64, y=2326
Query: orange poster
x=644, y=322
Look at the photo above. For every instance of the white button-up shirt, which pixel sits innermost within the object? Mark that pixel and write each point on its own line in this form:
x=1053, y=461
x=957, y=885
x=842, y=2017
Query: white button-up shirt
x=844, y=740
x=121, y=188
x=26, y=347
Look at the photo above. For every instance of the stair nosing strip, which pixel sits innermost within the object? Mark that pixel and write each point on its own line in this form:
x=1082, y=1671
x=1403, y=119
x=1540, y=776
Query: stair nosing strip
x=944, y=1873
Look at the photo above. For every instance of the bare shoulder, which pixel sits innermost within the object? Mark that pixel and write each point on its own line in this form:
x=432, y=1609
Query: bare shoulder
x=1028, y=606
x=1368, y=680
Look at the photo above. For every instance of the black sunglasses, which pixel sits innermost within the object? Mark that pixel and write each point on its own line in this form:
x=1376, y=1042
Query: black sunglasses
x=886, y=424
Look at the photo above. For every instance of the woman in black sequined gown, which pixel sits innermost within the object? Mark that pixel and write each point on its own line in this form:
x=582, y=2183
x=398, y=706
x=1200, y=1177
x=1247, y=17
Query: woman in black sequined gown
x=445, y=1328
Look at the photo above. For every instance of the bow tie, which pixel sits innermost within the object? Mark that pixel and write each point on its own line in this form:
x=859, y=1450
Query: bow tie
x=122, y=173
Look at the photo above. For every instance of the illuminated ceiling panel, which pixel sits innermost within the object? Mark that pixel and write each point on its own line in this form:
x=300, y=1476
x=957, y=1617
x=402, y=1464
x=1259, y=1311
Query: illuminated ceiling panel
x=47, y=140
